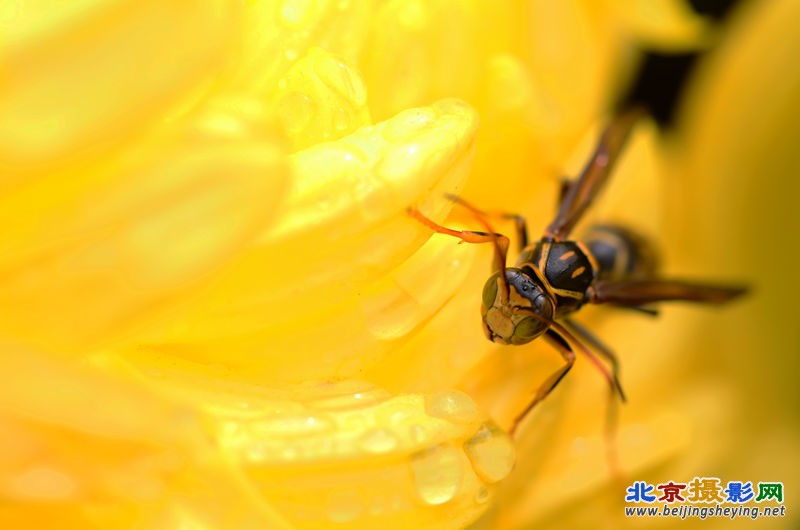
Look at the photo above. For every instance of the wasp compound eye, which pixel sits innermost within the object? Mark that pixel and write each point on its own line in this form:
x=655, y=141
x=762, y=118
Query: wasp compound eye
x=490, y=291
x=521, y=316
x=528, y=329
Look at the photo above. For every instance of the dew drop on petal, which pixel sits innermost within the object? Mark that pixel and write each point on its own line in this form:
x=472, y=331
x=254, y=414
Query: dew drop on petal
x=491, y=453
x=345, y=506
x=453, y=405
x=438, y=472
x=378, y=441
x=341, y=79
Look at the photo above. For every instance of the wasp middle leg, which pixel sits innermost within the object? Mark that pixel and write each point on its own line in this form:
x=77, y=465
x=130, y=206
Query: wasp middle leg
x=580, y=331
x=563, y=347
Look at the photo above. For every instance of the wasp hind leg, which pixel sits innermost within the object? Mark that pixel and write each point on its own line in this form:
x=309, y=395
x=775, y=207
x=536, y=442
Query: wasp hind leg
x=612, y=410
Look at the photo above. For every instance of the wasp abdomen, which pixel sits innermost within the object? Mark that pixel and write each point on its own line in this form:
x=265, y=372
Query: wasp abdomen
x=620, y=253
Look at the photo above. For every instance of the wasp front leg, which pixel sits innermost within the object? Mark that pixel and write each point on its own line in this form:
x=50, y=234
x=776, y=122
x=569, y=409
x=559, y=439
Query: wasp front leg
x=520, y=225
x=469, y=236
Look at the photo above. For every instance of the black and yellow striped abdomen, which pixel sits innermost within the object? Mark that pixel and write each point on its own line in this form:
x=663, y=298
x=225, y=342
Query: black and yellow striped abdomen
x=620, y=253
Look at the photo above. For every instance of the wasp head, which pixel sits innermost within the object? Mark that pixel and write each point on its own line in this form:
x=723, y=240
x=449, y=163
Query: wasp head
x=515, y=311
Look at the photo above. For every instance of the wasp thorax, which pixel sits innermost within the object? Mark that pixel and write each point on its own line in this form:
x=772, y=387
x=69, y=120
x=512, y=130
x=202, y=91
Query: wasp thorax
x=521, y=314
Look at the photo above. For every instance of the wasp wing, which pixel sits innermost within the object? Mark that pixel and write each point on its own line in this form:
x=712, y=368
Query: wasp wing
x=578, y=195
x=635, y=293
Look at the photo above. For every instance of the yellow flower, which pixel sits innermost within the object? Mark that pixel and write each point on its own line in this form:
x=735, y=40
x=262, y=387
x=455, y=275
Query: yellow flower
x=216, y=313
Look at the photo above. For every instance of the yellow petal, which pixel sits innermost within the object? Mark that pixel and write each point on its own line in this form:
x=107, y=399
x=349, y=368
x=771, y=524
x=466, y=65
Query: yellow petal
x=320, y=99
x=274, y=35
x=64, y=100
x=285, y=298
x=143, y=230
x=352, y=453
x=668, y=25
x=95, y=470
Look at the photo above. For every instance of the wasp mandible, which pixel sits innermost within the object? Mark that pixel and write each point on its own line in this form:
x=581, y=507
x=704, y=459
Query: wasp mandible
x=555, y=276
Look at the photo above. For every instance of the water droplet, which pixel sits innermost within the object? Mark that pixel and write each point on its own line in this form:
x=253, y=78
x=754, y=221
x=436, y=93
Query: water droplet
x=398, y=415
x=296, y=111
x=491, y=453
x=291, y=54
x=345, y=506
x=452, y=405
x=342, y=79
x=378, y=441
x=438, y=472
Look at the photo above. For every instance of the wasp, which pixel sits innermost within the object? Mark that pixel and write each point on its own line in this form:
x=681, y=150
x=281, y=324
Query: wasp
x=555, y=276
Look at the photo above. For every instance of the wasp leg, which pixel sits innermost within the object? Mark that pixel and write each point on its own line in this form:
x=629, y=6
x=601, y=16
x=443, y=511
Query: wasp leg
x=612, y=410
x=580, y=331
x=520, y=224
x=559, y=343
x=469, y=236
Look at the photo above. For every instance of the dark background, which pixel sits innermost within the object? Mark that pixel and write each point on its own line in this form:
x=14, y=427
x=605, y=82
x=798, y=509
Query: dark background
x=662, y=77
